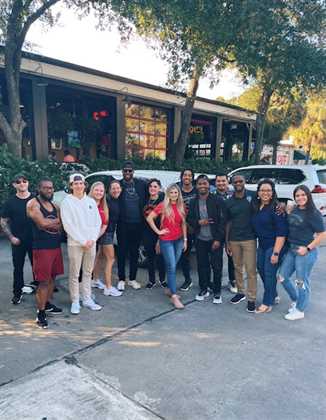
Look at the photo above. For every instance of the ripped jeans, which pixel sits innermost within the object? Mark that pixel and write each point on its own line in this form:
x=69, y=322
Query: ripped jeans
x=302, y=266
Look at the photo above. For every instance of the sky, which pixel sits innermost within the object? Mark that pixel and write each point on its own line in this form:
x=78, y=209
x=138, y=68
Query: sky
x=80, y=42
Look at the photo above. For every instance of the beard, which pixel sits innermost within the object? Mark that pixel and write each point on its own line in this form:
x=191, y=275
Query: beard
x=45, y=197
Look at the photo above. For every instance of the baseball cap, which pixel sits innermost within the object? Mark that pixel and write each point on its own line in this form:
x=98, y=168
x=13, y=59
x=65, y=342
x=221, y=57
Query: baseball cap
x=128, y=165
x=76, y=177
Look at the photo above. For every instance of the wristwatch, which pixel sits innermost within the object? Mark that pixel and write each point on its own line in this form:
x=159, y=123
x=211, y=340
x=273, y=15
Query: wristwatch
x=276, y=254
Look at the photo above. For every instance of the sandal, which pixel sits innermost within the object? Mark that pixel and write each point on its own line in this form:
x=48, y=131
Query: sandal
x=263, y=309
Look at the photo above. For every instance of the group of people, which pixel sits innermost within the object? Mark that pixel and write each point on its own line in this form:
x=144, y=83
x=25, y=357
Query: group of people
x=168, y=224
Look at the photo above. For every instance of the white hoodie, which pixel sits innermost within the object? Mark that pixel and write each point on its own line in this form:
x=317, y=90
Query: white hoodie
x=81, y=219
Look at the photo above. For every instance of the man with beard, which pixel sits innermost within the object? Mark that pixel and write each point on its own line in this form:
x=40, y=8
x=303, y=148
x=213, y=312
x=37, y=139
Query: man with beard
x=206, y=218
x=188, y=192
x=47, y=257
x=16, y=226
x=241, y=241
x=130, y=225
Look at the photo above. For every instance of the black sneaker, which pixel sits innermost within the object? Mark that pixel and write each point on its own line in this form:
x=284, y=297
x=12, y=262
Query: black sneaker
x=251, y=306
x=50, y=307
x=239, y=297
x=202, y=295
x=41, y=320
x=163, y=284
x=187, y=285
x=16, y=300
x=150, y=285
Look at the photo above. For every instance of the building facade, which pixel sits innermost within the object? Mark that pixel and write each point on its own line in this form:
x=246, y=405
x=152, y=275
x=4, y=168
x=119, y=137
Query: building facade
x=96, y=114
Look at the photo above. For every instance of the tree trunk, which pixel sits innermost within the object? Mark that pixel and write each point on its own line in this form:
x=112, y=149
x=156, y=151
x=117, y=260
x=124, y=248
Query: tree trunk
x=183, y=139
x=261, y=119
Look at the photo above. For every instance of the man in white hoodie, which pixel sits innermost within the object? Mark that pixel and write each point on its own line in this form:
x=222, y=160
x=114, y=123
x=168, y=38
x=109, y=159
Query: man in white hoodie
x=82, y=223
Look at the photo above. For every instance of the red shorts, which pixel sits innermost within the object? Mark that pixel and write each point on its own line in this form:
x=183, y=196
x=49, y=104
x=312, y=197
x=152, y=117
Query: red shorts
x=47, y=263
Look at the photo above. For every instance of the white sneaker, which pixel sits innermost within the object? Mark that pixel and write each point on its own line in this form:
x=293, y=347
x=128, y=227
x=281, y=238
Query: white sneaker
x=292, y=307
x=27, y=290
x=90, y=304
x=75, y=308
x=111, y=291
x=294, y=315
x=277, y=300
x=98, y=284
x=121, y=285
x=202, y=296
x=134, y=284
x=217, y=299
x=233, y=289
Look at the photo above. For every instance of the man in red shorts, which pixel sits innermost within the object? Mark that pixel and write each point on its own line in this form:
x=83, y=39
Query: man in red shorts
x=47, y=257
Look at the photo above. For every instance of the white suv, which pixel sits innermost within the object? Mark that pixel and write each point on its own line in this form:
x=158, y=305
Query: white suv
x=286, y=178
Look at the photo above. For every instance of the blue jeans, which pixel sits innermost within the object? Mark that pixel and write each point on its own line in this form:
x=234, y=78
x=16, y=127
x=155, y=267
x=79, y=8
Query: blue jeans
x=171, y=251
x=267, y=272
x=302, y=266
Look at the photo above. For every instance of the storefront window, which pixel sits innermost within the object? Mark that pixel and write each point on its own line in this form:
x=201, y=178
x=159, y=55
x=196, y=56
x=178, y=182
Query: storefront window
x=146, y=131
x=80, y=122
x=201, y=133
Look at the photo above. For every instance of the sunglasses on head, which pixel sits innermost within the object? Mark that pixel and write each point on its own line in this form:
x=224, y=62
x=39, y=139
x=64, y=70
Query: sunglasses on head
x=128, y=170
x=21, y=181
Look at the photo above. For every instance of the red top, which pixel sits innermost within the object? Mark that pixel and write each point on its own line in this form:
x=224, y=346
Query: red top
x=173, y=224
x=102, y=215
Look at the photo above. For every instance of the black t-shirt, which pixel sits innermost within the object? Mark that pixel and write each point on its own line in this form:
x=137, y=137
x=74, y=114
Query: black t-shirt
x=187, y=196
x=15, y=210
x=238, y=212
x=131, y=203
x=149, y=207
x=303, y=225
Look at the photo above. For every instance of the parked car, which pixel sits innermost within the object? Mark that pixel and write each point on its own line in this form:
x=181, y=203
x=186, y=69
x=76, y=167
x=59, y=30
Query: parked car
x=286, y=178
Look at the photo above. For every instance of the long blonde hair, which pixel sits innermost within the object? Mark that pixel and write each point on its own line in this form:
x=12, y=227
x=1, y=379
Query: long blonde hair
x=103, y=202
x=167, y=206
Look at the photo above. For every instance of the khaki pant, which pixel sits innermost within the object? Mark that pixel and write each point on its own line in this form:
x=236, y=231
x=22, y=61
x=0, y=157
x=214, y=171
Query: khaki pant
x=80, y=258
x=244, y=254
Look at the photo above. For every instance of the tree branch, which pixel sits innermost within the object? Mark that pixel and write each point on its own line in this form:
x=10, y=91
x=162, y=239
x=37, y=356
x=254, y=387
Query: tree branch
x=33, y=17
x=4, y=125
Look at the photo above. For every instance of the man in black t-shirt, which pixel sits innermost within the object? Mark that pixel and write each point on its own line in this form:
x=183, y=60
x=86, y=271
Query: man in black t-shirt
x=18, y=228
x=130, y=225
x=241, y=241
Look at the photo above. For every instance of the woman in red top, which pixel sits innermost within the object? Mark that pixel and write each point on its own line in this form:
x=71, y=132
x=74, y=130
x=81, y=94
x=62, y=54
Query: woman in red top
x=97, y=192
x=172, y=234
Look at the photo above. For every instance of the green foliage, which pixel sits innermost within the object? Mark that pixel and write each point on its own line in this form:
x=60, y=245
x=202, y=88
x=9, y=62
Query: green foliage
x=10, y=166
x=311, y=133
x=283, y=111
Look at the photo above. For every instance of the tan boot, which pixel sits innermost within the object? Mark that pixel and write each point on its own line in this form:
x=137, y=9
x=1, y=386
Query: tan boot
x=175, y=300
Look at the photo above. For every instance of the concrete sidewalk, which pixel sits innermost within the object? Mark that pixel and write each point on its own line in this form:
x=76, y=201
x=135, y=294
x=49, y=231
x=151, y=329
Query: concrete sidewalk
x=138, y=358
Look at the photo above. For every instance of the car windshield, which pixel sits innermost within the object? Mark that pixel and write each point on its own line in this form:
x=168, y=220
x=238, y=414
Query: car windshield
x=322, y=176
